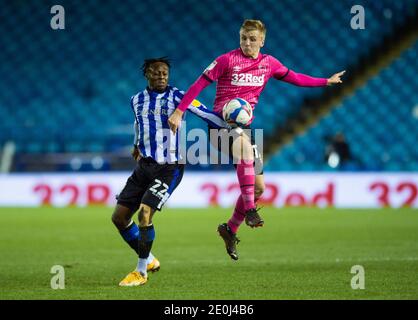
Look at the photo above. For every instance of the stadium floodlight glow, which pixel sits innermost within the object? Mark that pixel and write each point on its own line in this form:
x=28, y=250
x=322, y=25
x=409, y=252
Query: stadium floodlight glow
x=76, y=163
x=97, y=162
x=334, y=160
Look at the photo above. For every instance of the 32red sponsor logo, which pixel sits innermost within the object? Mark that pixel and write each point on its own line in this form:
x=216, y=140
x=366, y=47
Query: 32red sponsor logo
x=91, y=194
x=245, y=79
x=385, y=193
x=273, y=195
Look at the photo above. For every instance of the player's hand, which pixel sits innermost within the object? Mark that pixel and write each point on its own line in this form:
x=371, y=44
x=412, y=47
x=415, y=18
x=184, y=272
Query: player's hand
x=175, y=120
x=135, y=153
x=336, y=78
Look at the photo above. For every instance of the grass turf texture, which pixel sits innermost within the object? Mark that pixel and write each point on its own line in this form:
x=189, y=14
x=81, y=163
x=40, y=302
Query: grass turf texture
x=299, y=254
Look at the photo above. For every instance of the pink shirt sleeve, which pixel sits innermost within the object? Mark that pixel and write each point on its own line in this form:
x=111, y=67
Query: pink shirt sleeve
x=194, y=90
x=211, y=73
x=216, y=68
x=280, y=72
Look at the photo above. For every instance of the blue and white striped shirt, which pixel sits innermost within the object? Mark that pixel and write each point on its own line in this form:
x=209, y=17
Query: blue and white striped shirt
x=152, y=110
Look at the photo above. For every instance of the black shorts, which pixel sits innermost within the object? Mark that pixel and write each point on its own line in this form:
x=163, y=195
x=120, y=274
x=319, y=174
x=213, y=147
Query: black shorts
x=151, y=183
x=232, y=134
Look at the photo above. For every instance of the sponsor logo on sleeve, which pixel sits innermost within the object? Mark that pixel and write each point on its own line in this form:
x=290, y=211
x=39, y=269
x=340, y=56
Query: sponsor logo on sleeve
x=211, y=66
x=196, y=103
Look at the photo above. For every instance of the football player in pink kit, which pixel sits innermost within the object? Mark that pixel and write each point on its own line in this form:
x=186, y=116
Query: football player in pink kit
x=243, y=73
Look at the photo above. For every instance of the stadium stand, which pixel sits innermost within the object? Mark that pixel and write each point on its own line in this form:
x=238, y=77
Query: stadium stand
x=379, y=121
x=68, y=90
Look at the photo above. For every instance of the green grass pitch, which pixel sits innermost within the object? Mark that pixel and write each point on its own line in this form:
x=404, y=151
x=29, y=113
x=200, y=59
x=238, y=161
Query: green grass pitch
x=300, y=253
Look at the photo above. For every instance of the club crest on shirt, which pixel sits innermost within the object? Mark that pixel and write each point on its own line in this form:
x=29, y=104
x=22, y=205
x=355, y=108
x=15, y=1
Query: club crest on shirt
x=163, y=102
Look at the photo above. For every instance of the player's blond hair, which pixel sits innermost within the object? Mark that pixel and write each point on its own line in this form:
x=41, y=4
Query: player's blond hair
x=250, y=25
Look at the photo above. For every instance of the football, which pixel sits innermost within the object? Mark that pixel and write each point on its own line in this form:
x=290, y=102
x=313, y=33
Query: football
x=237, y=112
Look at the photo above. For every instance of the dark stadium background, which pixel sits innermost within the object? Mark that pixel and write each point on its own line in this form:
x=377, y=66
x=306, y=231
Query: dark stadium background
x=66, y=134
x=66, y=92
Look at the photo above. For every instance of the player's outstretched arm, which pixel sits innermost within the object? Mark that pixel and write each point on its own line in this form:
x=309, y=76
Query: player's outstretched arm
x=303, y=80
x=335, y=79
x=175, y=119
x=210, y=117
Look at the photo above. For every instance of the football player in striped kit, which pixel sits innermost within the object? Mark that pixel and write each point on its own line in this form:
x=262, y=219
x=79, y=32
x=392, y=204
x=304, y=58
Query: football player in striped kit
x=158, y=171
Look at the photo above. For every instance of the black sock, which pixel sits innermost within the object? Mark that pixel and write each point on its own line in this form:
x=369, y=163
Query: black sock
x=146, y=237
x=131, y=236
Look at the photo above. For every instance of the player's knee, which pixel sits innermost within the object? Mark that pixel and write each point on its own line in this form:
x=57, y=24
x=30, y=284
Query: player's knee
x=242, y=150
x=144, y=215
x=118, y=219
x=247, y=152
x=121, y=217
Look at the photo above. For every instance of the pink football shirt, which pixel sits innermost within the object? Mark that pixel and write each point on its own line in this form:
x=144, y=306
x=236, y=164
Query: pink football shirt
x=239, y=76
x=243, y=77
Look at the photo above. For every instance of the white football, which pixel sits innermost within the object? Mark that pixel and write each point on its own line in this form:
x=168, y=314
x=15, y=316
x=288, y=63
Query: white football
x=237, y=112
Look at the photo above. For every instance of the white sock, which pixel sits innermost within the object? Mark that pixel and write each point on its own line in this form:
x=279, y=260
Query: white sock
x=150, y=258
x=142, y=266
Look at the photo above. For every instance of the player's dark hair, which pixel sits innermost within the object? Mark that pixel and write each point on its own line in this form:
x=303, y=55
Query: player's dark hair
x=149, y=62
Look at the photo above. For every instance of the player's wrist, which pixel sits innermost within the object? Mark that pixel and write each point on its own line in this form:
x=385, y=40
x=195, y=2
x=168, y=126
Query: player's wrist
x=179, y=111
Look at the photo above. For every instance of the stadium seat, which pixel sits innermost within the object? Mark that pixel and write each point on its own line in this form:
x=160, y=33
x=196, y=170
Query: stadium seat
x=82, y=77
x=377, y=121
